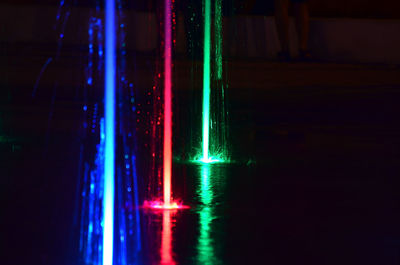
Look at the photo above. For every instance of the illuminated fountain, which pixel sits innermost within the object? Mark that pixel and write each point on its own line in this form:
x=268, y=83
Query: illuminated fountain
x=214, y=119
x=109, y=150
x=167, y=202
x=110, y=184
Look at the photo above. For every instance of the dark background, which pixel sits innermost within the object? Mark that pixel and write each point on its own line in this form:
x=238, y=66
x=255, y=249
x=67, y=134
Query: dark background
x=322, y=142
x=318, y=8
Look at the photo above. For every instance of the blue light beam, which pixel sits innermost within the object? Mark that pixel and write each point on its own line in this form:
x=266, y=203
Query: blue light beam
x=109, y=112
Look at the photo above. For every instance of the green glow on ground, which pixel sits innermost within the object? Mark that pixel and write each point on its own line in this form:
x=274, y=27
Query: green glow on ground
x=218, y=159
x=210, y=160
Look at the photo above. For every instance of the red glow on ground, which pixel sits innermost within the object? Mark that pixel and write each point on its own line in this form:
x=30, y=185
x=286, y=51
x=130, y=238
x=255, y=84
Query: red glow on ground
x=160, y=205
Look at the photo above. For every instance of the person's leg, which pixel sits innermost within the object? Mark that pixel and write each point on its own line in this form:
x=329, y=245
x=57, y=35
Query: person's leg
x=302, y=24
x=282, y=23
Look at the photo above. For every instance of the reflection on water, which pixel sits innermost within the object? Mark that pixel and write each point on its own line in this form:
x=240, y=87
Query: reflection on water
x=172, y=232
x=206, y=190
x=166, y=239
x=185, y=236
x=159, y=235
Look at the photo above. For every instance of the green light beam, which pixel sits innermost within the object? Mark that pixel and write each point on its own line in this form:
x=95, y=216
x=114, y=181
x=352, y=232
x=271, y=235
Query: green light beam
x=206, y=78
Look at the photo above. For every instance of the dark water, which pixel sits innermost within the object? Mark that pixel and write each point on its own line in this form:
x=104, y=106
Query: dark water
x=274, y=213
x=315, y=182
